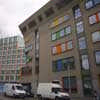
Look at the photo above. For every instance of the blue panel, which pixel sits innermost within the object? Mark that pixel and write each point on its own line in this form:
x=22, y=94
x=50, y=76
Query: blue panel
x=59, y=65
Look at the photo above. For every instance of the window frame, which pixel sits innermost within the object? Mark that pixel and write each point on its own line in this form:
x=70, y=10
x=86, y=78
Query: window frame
x=95, y=57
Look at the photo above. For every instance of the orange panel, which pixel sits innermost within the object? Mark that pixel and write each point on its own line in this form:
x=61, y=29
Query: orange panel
x=97, y=17
x=58, y=49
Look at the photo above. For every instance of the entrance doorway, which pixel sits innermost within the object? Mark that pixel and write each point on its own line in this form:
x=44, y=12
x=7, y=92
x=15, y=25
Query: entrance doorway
x=99, y=81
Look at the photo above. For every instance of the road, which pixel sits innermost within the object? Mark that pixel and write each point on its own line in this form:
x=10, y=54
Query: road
x=11, y=98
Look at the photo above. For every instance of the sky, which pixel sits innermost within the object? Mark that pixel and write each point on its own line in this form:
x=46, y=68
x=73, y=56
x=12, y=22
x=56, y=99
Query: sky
x=14, y=12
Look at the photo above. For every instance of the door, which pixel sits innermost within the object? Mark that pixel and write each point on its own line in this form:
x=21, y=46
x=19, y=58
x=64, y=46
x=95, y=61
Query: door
x=99, y=81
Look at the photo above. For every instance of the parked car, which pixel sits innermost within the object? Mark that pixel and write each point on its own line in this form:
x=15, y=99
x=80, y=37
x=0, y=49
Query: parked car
x=51, y=91
x=15, y=90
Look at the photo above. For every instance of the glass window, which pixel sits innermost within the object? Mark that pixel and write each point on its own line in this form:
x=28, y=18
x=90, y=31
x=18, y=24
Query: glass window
x=85, y=62
x=97, y=54
x=11, y=77
x=63, y=47
x=96, y=36
x=82, y=43
x=92, y=19
x=79, y=27
x=89, y=4
x=68, y=30
x=57, y=35
x=77, y=11
x=54, y=66
x=98, y=16
x=17, y=77
x=2, y=72
x=7, y=78
x=2, y=77
x=54, y=50
x=96, y=2
x=64, y=61
x=62, y=33
x=87, y=85
x=70, y=83
x=53, y=36
x=69, y=45
x=59, y=65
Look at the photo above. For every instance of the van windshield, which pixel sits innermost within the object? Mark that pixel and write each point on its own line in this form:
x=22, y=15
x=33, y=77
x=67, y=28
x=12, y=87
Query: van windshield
x=19, y=87
x=56, y=89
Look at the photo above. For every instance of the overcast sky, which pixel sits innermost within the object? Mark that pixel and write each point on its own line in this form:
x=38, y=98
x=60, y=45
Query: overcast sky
x=14, y=12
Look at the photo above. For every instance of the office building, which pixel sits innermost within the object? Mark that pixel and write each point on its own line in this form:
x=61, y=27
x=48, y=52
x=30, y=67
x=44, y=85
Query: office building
x=12, y=58
x=65, y=36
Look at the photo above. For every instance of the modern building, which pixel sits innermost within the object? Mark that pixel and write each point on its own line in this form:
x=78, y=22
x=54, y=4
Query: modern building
x=12, y=58
x=65, y=35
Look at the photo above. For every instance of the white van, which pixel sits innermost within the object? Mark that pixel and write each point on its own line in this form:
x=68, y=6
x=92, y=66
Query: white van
x=13, y=89
x=51, y=91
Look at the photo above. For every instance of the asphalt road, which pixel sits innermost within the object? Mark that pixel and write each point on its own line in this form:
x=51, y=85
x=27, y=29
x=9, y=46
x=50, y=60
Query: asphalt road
x=11, y=98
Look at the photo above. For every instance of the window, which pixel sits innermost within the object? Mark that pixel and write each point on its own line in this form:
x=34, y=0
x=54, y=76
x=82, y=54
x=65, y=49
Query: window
x=63, y=47
x=97, y=55
x=96, y=2
x=7, y=78
x=54, y=50
x=69, y=45
x=89, y=4
x=85, y=62
x=67, y=30
x=54, y=66
x=92, y=19
x=63, y=64
x=53, y=36
x=79, y=27
x=70, y=83
x=58, y=35
x=77, y=12
x=99, y=16
x=11, y=77
x=59, y=65
x=2, y=77
x=96, y=36
x=87, y=85
x=2, y=72
x=17, y=77
x=82, y=43
x=62, y=33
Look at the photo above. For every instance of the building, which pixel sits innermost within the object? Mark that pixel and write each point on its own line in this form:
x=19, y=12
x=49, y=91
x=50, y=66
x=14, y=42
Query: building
x=65, y=36
x=26, y=78
x=12, y=58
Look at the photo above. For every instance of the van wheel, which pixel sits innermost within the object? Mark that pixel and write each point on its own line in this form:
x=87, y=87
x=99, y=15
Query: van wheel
x=56, y=98
x=39, y=97
x=5, y=94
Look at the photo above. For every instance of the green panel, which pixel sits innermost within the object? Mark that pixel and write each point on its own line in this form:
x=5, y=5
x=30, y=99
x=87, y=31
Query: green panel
x=58, y=34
